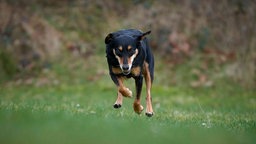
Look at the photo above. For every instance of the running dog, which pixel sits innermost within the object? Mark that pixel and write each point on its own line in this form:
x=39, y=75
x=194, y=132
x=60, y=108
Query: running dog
x=129, y=55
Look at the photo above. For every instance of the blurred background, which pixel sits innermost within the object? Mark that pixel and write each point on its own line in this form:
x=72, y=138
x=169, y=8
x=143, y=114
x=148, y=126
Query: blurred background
x=196, y=43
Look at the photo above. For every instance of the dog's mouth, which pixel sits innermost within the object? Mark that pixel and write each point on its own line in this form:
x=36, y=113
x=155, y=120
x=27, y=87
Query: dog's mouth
x=126, y=72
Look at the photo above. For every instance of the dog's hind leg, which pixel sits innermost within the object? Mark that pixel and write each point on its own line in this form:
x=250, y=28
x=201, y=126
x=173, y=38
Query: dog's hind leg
x=138, y=108
x=148, y=79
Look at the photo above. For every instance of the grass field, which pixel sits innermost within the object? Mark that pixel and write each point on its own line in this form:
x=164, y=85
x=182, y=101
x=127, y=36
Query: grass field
x=76, y=107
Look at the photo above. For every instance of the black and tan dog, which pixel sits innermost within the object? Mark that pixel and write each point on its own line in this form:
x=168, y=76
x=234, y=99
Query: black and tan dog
x=129, y=55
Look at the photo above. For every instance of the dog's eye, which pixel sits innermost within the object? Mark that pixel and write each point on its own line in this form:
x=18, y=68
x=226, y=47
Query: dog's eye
x=118, y=52
x=131, y=52
x=130, y=49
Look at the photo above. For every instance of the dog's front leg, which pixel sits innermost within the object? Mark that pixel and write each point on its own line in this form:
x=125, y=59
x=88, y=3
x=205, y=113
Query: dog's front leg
x=121, y=91
x=138, y=108
x=119, y=100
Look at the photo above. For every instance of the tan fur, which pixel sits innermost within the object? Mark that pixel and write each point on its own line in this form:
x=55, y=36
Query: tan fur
x=146, y=74
x=116, y=70
x=137, y=107
x=129, y=47
x=122, y=89
x=120, y=48
x=125, y=92
x=136, y=71
x=130, y=59
x=119, y=99
x=120, y=60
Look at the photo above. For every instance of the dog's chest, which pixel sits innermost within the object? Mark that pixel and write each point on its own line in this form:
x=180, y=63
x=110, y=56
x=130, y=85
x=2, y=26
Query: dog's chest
x=135, y=71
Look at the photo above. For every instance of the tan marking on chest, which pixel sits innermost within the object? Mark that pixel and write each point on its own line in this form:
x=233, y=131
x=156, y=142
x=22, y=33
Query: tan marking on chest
x=116, y=70
x=136, y=71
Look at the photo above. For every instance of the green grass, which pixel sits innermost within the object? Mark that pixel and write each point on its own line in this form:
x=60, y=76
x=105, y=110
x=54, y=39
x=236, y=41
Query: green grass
x=84, y=114
x=76, y=107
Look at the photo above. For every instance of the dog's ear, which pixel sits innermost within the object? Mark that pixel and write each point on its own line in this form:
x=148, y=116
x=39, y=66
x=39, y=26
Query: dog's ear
x=143, y=35
x=108, y=38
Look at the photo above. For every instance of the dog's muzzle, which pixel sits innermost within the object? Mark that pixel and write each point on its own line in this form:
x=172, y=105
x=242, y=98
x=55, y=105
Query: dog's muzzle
x=126, y=69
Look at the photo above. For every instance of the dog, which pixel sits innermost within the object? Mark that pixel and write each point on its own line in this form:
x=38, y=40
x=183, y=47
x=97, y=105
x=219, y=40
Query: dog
x=129, y=56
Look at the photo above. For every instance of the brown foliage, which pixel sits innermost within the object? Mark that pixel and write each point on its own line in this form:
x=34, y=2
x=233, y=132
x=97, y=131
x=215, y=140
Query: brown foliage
x=223, y=31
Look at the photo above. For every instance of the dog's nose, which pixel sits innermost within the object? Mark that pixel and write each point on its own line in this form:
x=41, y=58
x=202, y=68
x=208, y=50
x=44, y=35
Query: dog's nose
x=125, y=67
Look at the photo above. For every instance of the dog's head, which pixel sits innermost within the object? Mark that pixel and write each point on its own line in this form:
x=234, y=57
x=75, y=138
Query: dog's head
x=125, y=48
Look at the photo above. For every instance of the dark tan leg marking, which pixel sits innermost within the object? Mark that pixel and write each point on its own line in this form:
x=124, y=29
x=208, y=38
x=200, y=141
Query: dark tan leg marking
x=149, y=109
x=122, y=89
x=137, y=107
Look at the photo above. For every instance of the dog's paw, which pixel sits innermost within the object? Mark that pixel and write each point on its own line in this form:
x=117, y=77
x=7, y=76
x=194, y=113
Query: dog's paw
x=137, y=108
x=149, y=114
x=116, y=106
x=125, y=92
